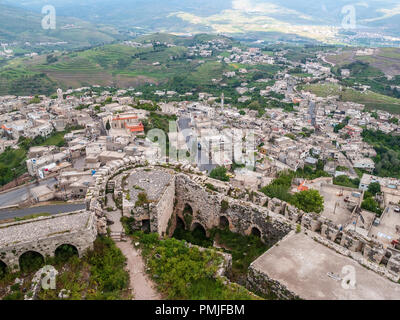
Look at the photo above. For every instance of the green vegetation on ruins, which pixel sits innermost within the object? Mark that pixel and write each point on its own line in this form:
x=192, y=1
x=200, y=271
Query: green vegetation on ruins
x=244, y=249
x=219, y=173
x=33, y=216
x=99, y=275
x=184, y=272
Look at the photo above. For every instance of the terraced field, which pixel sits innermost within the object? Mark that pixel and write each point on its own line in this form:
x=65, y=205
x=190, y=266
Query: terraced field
x=117, y=65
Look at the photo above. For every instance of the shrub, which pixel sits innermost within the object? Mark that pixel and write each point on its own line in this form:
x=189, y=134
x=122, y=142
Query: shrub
x=142, y=200
x=107, y=266
x=219, y=173
x=308, y=201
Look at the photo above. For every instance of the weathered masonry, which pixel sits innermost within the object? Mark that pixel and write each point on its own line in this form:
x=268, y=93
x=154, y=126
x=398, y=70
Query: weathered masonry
x=45, y=234
x=197, y=206
x=200, y=202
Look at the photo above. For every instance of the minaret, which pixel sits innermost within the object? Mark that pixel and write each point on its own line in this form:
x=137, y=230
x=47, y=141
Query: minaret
x=222, y=100
x=60, y=96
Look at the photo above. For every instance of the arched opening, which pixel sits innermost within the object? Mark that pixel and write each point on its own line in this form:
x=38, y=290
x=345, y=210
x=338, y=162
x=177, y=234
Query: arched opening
x=180, y=224
x=223, y=222
x=31, y=261
x=3, y=269
x=188, y=209
x=256, y=232
x=65, y=252
x=199, y=231
x=187, y=215
x=195, y=233
x=146, y=226
x=180, y=229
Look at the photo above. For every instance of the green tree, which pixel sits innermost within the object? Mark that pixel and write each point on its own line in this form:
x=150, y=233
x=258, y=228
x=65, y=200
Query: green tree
x=108, y=125
x=394, y=120
x=370, y=204
x=308, y=201
x=374, y=188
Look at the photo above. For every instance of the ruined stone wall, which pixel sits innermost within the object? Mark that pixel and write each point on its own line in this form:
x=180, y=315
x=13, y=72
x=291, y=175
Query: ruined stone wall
x=208, y=208
x=261, y=284
x=273, y=221
x=82, y=239
x=164, y=209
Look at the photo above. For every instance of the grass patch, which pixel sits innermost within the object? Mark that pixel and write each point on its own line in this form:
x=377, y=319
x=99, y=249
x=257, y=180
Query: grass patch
x=187, y=273
x=33, y=216
x=99, y=275
x=244, y=249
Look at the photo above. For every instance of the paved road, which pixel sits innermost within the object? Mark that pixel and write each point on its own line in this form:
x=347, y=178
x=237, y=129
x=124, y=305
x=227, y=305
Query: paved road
x=183, y=123
x=52, y=209
x=19, y=195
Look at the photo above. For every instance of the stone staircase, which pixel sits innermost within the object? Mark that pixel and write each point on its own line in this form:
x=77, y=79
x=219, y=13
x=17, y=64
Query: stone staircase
x=118, y=236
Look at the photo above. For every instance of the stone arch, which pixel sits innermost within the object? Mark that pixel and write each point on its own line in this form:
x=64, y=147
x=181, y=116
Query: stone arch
x=187, y=215
x=224, y=222
x=3, y=269
x=31, y=261
x=180, y=223
x=256, y=232
x=65, y=251
x=198, y=226
x=188, y=209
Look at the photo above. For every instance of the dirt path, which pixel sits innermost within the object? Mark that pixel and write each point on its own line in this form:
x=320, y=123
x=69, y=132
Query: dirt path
x=142, y=286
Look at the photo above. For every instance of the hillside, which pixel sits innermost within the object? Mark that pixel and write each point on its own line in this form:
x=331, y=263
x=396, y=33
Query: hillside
x=372, y=100
x=19, y=25
x=119, y=65
x=385, y=59
x=112, y=65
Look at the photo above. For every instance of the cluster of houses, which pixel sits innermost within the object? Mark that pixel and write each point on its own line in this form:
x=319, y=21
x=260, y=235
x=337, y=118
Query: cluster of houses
x=99, y=126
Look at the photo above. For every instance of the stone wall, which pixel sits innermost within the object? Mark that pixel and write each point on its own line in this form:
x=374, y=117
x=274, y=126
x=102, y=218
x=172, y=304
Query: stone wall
x=208, y=207
x=273, y=221
x=81, y=239
x=259, y=283
x=164, y=210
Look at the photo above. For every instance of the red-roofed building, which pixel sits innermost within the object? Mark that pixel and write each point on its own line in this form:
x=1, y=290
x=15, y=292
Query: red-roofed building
x=129, y=122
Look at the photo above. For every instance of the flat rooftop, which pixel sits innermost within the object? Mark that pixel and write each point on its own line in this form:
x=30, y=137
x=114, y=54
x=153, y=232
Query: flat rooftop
x=301, y=264
x=335, y=206
x=153, y=183
x=389, y=227
x=44, y=227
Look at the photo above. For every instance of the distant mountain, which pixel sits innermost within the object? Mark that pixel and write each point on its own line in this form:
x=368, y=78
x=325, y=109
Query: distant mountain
x=21, y=25
x=272, y=19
